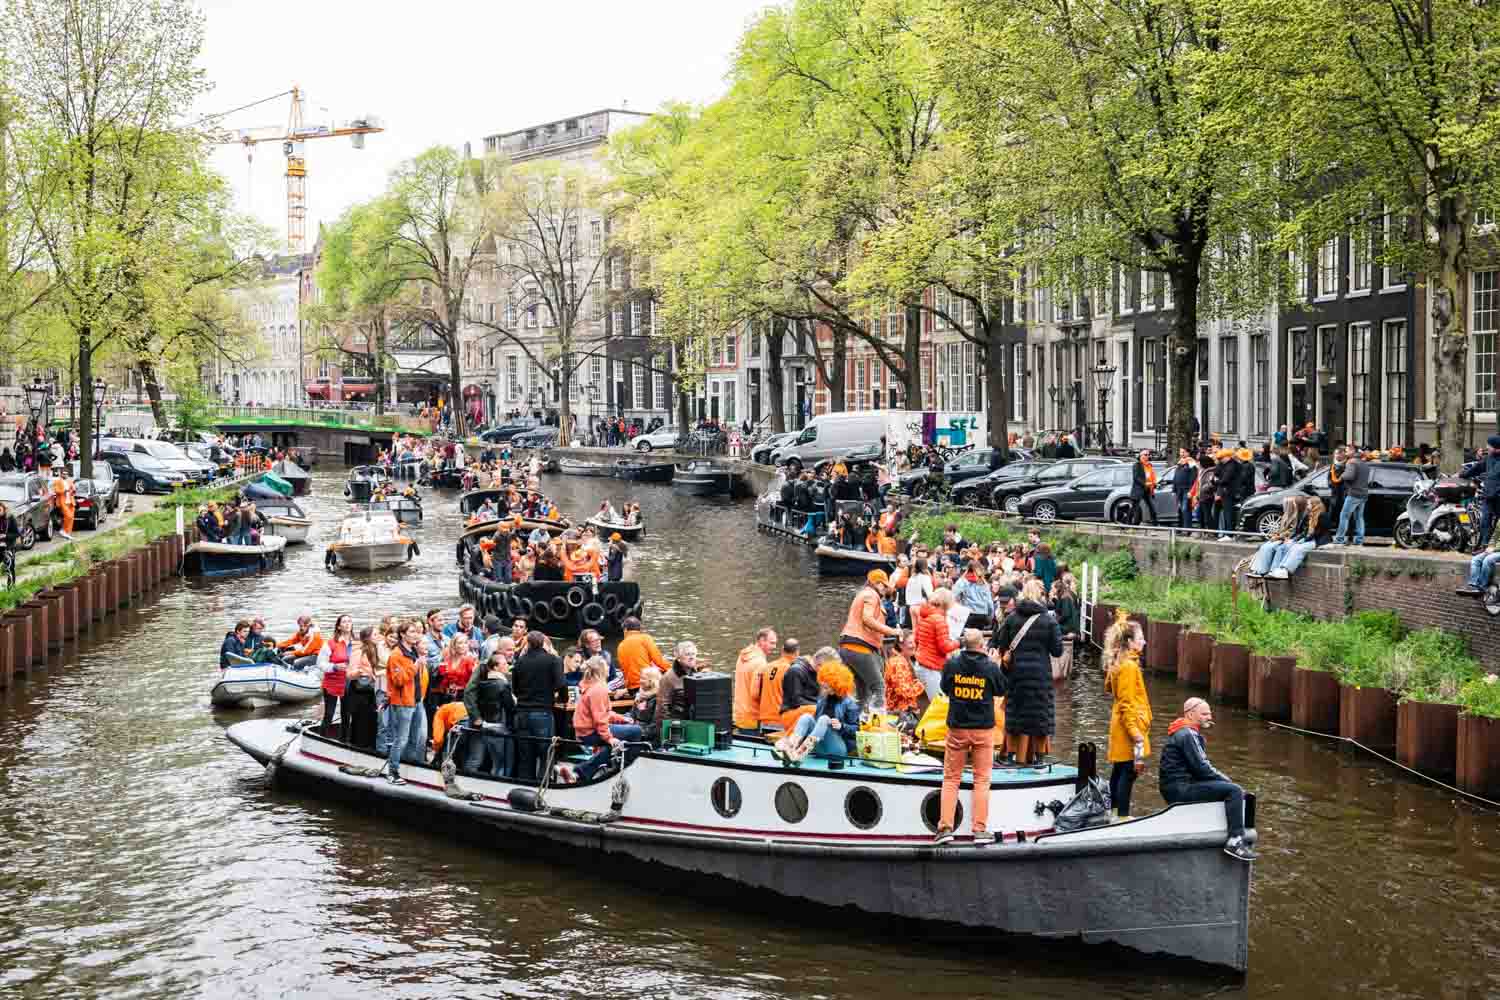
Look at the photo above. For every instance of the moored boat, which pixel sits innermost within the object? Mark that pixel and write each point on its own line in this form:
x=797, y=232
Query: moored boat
x=858, y=838
x=408, y=510
x=628, y=532
x=370, y=540
x=294, y=474
x=703, y=479
x=639, y=470
x=771, y=518
x=574, y=467
x=841, y=560
x=248, y=685
x=294, y=529
x=275, y=482
x=221, y=559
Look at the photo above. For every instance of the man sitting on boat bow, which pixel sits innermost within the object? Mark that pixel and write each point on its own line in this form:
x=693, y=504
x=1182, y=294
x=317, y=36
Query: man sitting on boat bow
x=1188, y=776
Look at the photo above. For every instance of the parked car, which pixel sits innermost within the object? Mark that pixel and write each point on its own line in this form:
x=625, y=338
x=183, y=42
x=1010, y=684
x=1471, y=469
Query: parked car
x=141, y=473
x=976, y=492
x=505, y=432
x=1007, y=493
x=106, y=485
x=1117, y=504
x=29, y=500
x=174, y=458
x=89, y=505
x=761, y=453
x=1079, y=499
x=1390, y=487
x=538, y=437
x=220, y=457
x=662, y=437
x=967, y=466
x=176, y=435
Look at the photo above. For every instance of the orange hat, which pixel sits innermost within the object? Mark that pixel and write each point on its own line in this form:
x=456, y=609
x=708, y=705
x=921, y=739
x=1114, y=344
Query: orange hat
x=615, y=537
x=1223, y=453
x=486, y=544
x=877, y=576
x=1243, y=455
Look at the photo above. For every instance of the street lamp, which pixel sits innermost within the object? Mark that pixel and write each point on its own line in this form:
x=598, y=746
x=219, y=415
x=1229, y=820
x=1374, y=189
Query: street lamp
x=1104, y=375
x=99, y=392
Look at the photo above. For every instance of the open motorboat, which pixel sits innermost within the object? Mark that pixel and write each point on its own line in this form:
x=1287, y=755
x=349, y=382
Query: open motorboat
x=573, y=467
x=291, y=472
x=289, y=526
x=844, y=560
x=363, y=480
x=220, y=559
x=703, y=479
x=628, y=532
x=408, y=510
x=370, y=540
x=642, y=470
x=247, y=684
x=707, y=810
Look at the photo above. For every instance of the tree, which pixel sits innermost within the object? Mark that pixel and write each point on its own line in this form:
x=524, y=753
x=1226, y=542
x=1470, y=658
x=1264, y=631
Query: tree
x=1392, y=108
x=438, y=203
x=1122, y=139
x=540, y=216
x=102, y=162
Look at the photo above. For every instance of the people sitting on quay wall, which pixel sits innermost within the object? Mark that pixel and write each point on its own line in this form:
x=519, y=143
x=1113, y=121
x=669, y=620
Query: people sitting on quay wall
x=1304, y=528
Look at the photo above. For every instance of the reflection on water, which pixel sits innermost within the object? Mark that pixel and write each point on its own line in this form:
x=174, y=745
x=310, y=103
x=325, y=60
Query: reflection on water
x=140, y=854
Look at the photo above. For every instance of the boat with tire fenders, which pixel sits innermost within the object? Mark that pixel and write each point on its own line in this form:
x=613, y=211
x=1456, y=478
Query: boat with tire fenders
x=856, y=838
x=556, y=607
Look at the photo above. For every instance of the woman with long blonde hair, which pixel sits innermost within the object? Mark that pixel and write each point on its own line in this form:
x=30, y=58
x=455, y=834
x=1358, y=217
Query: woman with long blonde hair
x=1271, y=549
x=1130, y=716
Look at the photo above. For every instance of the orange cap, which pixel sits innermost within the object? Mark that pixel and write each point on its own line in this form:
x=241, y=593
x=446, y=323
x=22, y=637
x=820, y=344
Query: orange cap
x=877, y=576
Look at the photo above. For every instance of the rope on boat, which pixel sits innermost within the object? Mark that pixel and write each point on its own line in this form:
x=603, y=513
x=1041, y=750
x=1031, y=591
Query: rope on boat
x=1426, y=777
x=274, y=763
x=450, y=773
x=546, y=782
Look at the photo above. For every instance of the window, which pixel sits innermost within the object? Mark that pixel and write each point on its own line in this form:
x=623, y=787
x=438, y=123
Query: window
x=1393, y=355
x=1301, y=354
x=1391, y=279
x=1486, y=323
x=596, y=301
x=609, y=273
x=1018, y=381
x=1260, y=359
x=1328, y=269
x=596, y=370
x=1149, y=349
x=1359, y=260
x=893, y=323
x=752, y=347
x=1147, y=285
x=1484, y=218
x=1125, y=295
x=1230, y=356
x=635, y=316
x=617, y=321
x=510, y=315
x=731, y=348
x=595, y=238
x=1167, y=300
x=660, y=380
x=1359, y=384
x=625, y=272
x=512, y=377
x=858, y=401
x=718, y=349
x=638, y=384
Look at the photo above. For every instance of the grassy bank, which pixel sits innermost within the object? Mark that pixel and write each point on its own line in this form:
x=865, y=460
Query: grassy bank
x=1367, y=649
x=77, y=558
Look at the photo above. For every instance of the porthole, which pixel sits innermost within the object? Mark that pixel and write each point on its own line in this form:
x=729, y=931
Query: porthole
x=791, y=803
x=725, y=795
x=862, y=807
x=932, y=811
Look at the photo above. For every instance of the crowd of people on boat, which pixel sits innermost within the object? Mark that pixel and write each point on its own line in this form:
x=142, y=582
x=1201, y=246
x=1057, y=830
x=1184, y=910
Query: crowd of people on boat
x=237, y=523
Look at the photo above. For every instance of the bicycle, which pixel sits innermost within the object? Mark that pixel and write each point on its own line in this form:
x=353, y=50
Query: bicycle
x=9, y=560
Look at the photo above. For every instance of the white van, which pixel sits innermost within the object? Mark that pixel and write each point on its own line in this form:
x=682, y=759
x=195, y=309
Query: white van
x=831, y=435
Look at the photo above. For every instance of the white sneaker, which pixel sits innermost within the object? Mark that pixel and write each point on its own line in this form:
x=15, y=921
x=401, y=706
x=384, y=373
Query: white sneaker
x=64, y=534
x=1279, y=574
x=1223, y=538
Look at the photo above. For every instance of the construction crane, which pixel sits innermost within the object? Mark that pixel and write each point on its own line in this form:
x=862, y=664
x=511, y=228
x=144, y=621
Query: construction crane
x=292, y=136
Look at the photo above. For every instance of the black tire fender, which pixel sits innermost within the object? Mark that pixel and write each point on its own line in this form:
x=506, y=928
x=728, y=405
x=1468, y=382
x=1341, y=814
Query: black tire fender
x=592, y=614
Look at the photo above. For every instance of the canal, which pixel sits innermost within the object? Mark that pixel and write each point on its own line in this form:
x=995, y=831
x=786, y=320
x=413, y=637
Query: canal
x=142, y=855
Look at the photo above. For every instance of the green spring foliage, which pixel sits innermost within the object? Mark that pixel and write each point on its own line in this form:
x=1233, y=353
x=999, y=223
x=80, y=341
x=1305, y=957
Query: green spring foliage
x=1481, y=696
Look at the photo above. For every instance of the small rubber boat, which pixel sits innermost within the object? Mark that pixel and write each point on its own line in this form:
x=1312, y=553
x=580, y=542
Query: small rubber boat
x=840, y=560
x=703, y=479
x=641, y=471
x=368, y=541
x=294, y=529
x=628, y=532
x=572, y=467
x=250, y=685
x=220, y=559
x=291, y=472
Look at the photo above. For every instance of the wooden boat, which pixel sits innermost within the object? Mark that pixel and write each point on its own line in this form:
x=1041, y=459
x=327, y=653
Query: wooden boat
x=294, y=529
x=221, y=559
x=370, y=540
x=249, y=685
x=294, y=474
x=448, y=479
x=556, y=607
x=573, y=467
x=640, y=470
x=703, y=479
x=851, y=842
x=840, y=560
x=627, y=532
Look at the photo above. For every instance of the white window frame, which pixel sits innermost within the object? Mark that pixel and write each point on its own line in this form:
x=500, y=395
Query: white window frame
x=1359, y=336
x=1328, y=270
x=1395, y=390
x=1361, y=271
x=1297, y=262
x=1388, y=282
x=1147, y=292
x=1484, y=329
x=1018, y=382
x=1127, y=301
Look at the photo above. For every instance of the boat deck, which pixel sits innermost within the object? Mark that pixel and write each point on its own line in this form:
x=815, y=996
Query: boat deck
x=752, y=754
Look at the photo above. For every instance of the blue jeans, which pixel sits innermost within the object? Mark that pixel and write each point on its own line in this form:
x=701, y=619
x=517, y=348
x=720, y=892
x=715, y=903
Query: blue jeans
x=382, y=725
x=628, y=733
x=1354, y=510
x=814, y=521
x=532, y=753
x=1228, y=516
x=498, y=745
x=400, y=725
x=1291, y=555
x=1184, y=510
x=827, y=741
x=1487, y=507
x=1227, y=792
x=1481, y=567
x=416, y=738
x=1266, y=557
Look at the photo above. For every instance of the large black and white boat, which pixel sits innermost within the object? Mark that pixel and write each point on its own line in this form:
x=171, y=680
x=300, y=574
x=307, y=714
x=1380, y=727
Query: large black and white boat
x=709, y=813
x=703, y=479
x=556, y=607
x=641, y=470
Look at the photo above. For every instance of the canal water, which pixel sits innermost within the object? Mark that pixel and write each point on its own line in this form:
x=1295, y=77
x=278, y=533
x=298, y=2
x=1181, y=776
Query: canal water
x=141, y=855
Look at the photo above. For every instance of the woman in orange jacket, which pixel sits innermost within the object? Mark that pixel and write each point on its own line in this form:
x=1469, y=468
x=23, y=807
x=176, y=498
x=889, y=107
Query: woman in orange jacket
x=934, y=641
x=406, y=686
x=1130, y=718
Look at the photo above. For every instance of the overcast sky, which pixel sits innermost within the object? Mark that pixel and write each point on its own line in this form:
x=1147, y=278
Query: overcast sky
x=443, y=71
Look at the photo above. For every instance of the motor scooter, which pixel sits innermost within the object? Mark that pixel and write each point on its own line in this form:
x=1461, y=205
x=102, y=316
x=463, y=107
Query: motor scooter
x=1439, y=515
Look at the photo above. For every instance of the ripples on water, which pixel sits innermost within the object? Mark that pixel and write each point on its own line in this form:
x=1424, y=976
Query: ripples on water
x=142, y=855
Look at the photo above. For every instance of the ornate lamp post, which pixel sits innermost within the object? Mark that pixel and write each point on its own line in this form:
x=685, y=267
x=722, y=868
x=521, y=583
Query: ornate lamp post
x=100, y=388
x=1104, y=375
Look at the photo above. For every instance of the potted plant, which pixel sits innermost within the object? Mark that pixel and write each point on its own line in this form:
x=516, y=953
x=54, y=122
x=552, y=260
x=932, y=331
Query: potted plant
x=1478, y=761
x=1430, y=668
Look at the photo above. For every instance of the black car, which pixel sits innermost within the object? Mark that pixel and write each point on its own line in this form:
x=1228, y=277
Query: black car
x=975, y=492
x=28, y=499
x=105, y=484
x=967, y=466
x=536, y=437
x=1390, y=487
x=1079, y=499
x=1007, y=493
x=89, y=505
x=498, y=435
x=142, y=473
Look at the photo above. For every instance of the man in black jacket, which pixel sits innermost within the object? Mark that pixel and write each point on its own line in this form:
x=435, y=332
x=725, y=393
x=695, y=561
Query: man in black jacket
x=1487, y=470
x=537, y=681
x=1279, y=477
x=1188, y=776
x=1184, y=475
x=972, y=681
x=1143, y=489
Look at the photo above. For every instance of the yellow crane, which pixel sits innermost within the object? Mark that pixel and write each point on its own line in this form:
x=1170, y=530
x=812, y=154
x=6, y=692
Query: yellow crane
x=292, y=136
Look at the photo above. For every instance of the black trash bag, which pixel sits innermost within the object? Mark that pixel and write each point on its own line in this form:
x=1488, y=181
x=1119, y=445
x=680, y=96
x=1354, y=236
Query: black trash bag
x=1090, y=807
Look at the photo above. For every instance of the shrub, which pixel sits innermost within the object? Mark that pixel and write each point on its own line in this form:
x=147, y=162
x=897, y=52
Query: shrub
x=1481, y=696
x=1431, y=665
x=1119, y=566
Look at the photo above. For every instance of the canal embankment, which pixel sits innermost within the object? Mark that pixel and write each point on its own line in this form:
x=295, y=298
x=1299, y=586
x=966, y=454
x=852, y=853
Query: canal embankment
x=754, y=478
x=1372, y=647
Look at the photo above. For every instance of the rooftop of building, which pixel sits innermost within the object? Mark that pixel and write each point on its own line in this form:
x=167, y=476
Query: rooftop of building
x=590, y=127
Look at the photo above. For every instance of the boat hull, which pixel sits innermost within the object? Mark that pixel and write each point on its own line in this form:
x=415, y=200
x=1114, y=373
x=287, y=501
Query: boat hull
x=294, y=529
x=642, y=472
x=257, y=684
x=1160, y=884
x=835, y=560
x=369, y=558
x=628, y=532
x=570, y=468
x=569, y=607
x=217, y=559
x=703, y=485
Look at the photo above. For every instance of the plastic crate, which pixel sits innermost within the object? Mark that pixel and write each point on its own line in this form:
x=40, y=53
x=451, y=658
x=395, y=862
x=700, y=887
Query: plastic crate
x=880, y=749
x=688, y=736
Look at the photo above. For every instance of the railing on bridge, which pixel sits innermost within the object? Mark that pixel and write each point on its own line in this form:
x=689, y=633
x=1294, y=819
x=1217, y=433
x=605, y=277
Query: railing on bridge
x=326, y=416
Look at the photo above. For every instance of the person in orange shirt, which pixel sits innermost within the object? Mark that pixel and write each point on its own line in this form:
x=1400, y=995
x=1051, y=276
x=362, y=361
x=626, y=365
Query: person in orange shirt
x=406, y=686
x=302, y=648
x=770, y=686
x=443, y=722
x=1143, y=489
x=636, y=652
x=62, y=489
x=903, y=692
x=859, y=643
x=749, y=676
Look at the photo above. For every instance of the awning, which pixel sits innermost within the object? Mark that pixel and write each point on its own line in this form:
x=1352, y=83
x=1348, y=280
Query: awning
x=471, y=391
x=318, y=390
